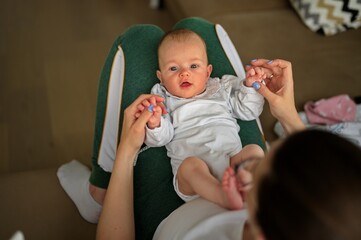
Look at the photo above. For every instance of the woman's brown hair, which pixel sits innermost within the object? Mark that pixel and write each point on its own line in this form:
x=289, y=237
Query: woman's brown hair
x=312, y=189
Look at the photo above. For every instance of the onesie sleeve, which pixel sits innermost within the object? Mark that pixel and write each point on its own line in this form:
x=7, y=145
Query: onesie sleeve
x=246, y=102
x=160, y=136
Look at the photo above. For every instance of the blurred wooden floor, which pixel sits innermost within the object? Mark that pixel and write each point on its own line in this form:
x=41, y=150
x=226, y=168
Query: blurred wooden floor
x=51, y=55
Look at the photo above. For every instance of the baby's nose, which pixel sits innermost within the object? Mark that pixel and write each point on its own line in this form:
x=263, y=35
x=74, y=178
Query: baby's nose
x=184, y=73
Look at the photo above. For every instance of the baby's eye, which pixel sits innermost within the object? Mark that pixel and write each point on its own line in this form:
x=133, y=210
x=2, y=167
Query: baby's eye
x=173, y=69
x=194, y=66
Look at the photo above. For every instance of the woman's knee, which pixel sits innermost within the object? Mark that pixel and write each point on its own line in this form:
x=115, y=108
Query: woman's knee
x=140, y=37
x=137, y=30
x=193, y=23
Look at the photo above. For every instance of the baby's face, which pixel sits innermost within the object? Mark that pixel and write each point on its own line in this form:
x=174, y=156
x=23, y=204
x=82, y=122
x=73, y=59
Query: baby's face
x=184, y=69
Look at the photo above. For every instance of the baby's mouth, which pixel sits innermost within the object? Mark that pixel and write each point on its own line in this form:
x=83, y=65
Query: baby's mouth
x=185, y=84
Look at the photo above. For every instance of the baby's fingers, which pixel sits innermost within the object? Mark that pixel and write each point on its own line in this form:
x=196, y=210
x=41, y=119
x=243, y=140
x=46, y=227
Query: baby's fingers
x=157, y=110
x=146, y=102
x=259, y=71
x=155, y=120
x=164, y=109
x=250, y=72
x=157, y=113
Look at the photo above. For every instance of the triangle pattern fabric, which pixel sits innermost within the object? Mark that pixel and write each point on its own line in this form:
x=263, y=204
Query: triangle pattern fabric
x=329, y=17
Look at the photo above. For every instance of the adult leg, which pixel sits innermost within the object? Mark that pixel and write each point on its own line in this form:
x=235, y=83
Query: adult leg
x=129, y=71
x=74, y=178
x=135, y=48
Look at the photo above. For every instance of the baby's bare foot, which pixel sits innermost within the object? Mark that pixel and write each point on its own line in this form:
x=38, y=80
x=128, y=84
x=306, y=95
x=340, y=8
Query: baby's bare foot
x=234, y=199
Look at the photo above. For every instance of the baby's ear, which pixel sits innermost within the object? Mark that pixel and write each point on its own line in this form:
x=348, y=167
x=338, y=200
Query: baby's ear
x=159, y=75
x=209, y=69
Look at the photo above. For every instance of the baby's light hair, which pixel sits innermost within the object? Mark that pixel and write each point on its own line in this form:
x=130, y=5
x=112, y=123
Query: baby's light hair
x=179, y=35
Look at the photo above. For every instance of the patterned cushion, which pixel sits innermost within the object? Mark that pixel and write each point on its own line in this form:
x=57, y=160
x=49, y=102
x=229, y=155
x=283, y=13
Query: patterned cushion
x=329, y=17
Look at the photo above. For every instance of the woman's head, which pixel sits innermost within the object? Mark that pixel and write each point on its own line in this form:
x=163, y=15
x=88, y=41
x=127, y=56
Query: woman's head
x=310, y=188
x=183, y=63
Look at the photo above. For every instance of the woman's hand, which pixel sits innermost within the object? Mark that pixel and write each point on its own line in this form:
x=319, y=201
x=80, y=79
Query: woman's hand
x=157, y=108
x=133, y=131
x=279, y=92
x=255, y=74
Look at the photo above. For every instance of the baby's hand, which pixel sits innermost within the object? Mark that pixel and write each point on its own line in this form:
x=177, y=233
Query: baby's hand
x=156, y=108
x=254, y=74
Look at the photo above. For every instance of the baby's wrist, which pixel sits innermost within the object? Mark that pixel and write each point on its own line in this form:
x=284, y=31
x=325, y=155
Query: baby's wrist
x=153, y=126
x=247, y=83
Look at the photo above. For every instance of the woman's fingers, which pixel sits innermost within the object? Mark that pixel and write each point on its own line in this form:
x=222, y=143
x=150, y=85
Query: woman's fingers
x=136, y=109
x=279, y=63
x=277, y=66
x=142, y=100
x=265, y=92
x=143, y=97
x=245, y=179
x=131, y=113
x=142, y=120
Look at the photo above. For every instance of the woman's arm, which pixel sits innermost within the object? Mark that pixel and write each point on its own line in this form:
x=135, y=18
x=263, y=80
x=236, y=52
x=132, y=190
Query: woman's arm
x=279, y=93
x=117, y=217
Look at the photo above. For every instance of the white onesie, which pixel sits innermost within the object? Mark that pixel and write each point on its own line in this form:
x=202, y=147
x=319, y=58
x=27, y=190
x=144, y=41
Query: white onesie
x=205, y=126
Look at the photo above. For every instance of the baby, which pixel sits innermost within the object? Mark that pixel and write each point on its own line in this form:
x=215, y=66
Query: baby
x=200, y=129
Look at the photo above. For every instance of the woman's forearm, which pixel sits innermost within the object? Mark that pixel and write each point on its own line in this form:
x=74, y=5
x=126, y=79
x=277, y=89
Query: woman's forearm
x=292, y=123
x=117, y=218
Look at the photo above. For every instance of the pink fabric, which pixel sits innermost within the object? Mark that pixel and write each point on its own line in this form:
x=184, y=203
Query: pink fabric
x=330, y=111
